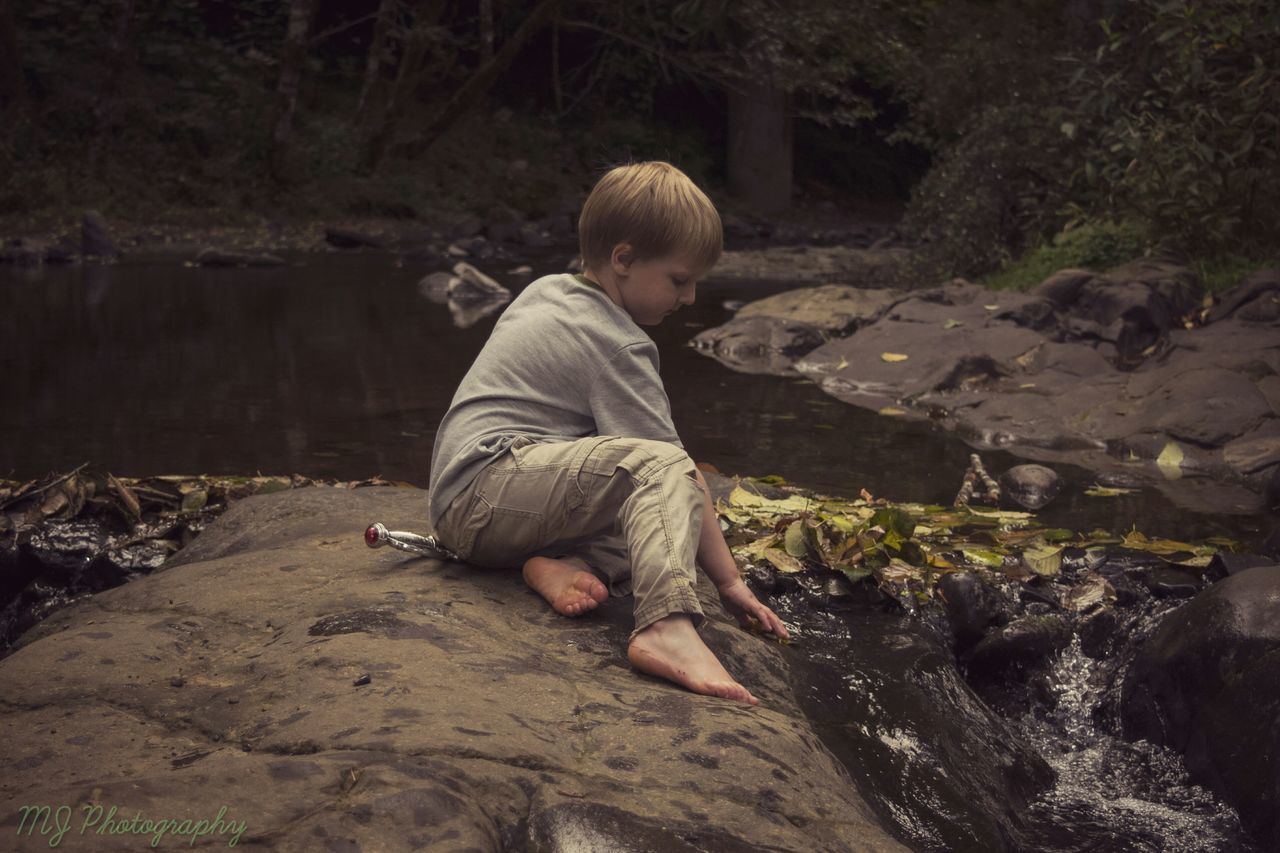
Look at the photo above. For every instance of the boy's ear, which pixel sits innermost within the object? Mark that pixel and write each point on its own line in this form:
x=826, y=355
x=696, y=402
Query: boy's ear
x=622, y=257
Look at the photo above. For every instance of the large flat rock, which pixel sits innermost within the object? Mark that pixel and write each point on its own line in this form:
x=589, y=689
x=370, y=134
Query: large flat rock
x=1096, y=370
x=490, y=722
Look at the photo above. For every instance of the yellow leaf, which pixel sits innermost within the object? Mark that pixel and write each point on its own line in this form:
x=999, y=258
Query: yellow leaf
x=1043, y=561
x=844, y=362
x=782, y=561
x=892, y=410
x=892, y=356
x=1096, y=491
x=1170, y=461
x=991, y=307
x=740, y=497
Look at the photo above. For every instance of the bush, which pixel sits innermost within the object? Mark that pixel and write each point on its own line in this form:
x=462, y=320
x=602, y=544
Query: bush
x=1095, y=246
x=988, y=195
x=1178, y=109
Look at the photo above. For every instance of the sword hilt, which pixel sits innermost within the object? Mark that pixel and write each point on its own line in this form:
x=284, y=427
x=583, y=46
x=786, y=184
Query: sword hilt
x=377, y=535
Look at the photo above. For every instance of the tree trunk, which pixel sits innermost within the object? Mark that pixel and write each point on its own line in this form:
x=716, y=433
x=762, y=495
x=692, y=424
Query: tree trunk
x=760, y=147
x=555, y=67
x=103, y=112
x=373, y=66
x=426, y=14
x=485, y=76
x=486, y=31
x=292, y=58
x=13, y=89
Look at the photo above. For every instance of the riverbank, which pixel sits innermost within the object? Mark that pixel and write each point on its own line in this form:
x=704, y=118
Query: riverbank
x=818, y=219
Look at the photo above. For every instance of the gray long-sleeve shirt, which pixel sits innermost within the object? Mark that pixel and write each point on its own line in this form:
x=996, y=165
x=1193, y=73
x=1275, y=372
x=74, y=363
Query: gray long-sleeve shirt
x=563, y=362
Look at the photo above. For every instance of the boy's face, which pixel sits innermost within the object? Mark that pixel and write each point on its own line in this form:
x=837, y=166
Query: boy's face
x=654, y=289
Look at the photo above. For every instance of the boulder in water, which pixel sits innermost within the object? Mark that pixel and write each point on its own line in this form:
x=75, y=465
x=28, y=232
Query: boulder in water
x=1207, y=684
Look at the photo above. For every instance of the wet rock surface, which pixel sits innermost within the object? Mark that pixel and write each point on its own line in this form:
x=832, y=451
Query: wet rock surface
x=885, y=693
x=1098, y=370
x=333, y=696
x=1207, y=684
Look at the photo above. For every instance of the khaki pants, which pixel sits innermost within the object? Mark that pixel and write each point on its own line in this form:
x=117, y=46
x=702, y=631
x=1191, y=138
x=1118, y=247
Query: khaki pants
x=631, y=508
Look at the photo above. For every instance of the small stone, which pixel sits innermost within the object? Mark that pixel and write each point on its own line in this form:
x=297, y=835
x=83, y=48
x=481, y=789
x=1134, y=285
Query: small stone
x=364, y=679
x=1031, y=486
x=1171, y=583
x=177, y=681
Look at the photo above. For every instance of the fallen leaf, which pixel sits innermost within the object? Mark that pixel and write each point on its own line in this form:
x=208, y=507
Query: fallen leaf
x=892, y=410
x=991, y=307
x=1170, y=461
x=844, y=362
x=1097, y=491
x=951, y=324
x=127, y=497
x=782, y=561
x=985, y=558
x=892, y=356
x=1043, y=561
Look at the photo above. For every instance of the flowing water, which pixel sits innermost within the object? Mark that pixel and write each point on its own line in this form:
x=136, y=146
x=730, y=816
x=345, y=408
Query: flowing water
x=1110, y=793
x=338, y=365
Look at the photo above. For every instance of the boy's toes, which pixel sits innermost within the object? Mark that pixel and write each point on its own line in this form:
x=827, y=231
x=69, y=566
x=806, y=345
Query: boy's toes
x=599, y=591
x=734, y=690
x=591, y=588
x=584, y=593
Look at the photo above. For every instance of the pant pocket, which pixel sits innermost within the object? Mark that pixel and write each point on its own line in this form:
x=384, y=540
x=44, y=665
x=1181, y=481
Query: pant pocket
x=502, y=536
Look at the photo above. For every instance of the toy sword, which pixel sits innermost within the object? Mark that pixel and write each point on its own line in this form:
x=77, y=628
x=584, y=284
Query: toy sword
x=376, y=535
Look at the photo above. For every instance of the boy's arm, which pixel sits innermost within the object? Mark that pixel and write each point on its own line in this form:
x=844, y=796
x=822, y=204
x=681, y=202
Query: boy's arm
x=717, y=561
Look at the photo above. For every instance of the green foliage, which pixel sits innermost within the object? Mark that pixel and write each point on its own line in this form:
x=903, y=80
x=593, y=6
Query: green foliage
x=1180, y=109
x=1163, y=116
x=987, y=194
x=174, y=114
x=1096, y=246
x=1222, y=272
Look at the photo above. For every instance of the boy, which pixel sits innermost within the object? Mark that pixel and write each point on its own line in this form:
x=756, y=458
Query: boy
x=558, y=452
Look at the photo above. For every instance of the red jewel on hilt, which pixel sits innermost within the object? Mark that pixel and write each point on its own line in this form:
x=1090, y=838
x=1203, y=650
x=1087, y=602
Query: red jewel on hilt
x=376, y=535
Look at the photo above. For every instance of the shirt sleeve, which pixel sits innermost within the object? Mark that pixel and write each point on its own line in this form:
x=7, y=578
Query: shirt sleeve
x=627, y=397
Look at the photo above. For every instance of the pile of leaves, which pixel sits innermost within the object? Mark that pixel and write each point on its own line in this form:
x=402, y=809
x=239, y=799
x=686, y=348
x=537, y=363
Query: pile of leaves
x=905, y=548
x=166, y=511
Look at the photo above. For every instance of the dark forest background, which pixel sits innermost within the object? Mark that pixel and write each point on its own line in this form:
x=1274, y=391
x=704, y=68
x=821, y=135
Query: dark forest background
x=1016, y=136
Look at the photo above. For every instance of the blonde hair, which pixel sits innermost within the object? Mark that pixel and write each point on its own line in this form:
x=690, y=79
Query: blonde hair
x=657, y=209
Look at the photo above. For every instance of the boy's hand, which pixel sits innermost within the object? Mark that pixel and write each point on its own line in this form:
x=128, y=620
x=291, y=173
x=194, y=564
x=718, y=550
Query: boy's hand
x=741, y=603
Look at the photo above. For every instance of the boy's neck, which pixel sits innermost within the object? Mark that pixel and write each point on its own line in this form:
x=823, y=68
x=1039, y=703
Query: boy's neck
x=608, y=283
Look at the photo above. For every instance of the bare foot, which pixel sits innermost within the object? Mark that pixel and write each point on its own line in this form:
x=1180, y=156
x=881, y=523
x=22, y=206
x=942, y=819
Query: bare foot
x=672, y=649
x=567, y=585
